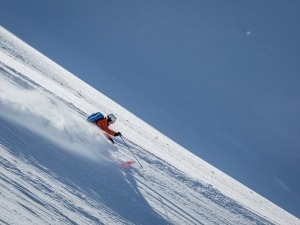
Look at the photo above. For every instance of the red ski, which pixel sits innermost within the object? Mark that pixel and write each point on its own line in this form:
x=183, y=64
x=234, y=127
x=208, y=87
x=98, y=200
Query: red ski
x=127, y=164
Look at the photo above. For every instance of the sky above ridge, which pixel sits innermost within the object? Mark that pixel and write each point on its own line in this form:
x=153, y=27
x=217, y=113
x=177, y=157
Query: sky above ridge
x=222, y=74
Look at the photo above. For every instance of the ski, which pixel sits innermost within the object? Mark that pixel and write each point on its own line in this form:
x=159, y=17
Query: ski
x=127, y=164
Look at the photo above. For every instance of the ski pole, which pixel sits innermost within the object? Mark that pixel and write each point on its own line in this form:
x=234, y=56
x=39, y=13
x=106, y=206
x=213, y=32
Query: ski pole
x=131, y=151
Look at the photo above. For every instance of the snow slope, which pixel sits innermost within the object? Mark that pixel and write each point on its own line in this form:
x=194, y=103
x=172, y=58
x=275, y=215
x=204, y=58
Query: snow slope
x=58, y=169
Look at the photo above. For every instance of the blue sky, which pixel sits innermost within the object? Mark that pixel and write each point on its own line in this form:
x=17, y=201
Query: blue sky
x=220, y=78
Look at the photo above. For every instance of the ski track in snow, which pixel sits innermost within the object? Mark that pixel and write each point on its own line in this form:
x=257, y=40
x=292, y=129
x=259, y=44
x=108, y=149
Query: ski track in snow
x=57, y=169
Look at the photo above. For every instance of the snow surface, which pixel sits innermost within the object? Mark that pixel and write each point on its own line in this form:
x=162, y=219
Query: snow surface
x=58, y=169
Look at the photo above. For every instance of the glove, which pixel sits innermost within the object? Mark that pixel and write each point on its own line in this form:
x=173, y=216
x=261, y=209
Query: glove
x=118, y=134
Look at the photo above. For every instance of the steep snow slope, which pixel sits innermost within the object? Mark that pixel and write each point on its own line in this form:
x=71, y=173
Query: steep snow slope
x=58, y=169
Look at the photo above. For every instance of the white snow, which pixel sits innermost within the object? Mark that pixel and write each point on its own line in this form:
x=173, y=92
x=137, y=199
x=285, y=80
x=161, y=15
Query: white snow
x=56, y=168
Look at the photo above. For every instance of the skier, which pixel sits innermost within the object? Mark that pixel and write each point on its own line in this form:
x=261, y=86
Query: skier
x=103, y=123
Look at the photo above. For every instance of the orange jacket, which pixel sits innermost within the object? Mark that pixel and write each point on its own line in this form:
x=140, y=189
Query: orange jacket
x=103, y=124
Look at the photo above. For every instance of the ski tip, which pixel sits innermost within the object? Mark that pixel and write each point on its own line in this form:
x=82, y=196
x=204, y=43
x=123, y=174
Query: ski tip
x=127, y=164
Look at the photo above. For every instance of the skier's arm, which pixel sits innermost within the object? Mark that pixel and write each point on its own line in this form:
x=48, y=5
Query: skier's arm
x=110, y=132
x=103, y=125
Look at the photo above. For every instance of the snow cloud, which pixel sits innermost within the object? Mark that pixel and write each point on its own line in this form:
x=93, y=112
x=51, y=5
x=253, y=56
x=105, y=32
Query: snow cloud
x=47, y=116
